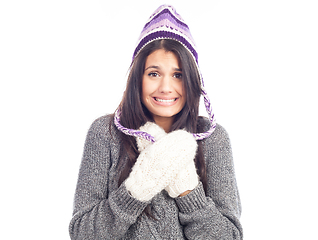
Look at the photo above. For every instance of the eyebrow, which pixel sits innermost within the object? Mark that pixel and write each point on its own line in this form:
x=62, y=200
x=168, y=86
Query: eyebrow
x=157, y=67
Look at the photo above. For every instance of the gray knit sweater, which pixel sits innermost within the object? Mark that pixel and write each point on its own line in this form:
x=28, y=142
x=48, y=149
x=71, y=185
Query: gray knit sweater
x=102, y=210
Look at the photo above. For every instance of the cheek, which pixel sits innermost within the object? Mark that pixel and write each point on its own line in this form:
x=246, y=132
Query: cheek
x=182, y=92
x=145, y=91
x=147, y=88
x=180, y=89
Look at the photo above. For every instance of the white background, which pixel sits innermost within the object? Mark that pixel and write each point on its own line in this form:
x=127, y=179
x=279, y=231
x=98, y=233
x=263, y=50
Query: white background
x=63, y=63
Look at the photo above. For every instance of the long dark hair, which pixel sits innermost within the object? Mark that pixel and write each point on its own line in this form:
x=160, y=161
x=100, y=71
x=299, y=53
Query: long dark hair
x=134, y=114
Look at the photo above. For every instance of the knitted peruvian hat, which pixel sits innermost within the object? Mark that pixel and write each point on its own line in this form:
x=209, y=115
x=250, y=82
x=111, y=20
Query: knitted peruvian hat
x=166, y=23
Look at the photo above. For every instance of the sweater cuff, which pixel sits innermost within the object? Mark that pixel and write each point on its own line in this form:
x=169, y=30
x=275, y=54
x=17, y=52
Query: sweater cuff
x=126, y=203
x=193, y=201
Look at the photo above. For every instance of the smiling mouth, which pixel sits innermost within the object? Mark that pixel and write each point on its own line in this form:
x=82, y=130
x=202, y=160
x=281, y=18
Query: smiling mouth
x=165, y=100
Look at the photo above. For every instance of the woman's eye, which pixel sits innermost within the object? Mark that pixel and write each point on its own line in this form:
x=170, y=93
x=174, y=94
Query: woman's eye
x=178, y=75
x=153, y=74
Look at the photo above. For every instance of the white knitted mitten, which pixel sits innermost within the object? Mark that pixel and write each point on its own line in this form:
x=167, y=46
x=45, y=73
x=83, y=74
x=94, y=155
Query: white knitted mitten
x=186, y=179
x=154, y=130
x=159, y=163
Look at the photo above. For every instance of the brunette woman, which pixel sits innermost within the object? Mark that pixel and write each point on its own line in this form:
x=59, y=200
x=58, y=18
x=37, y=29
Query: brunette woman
x=155, y=169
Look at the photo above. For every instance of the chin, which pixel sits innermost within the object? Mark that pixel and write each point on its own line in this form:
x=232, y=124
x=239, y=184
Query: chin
x=166, y=114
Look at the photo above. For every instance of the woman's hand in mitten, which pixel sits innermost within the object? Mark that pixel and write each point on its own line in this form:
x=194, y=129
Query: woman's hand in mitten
x=186, y=180
x=159, y=163
x=152, y=129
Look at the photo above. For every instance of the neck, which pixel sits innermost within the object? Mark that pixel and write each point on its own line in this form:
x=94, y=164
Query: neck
x=164, y=122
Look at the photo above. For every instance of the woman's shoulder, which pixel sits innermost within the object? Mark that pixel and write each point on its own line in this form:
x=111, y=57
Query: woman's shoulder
x=217, y=147
x=101, y=124
x=105, y=126
x=219, y=132
x=102, y=121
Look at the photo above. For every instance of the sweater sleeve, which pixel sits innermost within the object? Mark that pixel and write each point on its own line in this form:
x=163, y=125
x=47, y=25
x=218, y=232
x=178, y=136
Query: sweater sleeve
x=98, y=214
x=214, y=215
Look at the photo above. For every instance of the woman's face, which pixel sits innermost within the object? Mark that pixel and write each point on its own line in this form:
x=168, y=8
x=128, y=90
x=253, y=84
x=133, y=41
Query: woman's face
x=162, y=88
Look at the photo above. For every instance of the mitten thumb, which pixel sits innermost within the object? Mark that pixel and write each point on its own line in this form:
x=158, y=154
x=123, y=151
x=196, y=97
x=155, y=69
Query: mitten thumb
x=152, y=129
x=186, y=179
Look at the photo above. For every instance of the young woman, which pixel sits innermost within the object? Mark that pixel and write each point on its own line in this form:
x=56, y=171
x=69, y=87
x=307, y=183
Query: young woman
x=155, y=169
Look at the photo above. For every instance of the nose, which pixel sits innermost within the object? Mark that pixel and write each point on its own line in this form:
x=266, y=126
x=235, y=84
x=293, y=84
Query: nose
x=165, y=85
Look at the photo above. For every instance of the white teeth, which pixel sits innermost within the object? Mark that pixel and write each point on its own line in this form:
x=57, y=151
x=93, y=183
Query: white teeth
x=165, y=100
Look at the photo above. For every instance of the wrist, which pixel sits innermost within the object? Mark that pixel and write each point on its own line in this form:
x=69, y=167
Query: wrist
x=185, y=193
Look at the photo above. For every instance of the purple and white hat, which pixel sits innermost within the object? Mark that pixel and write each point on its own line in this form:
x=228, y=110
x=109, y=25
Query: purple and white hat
x=166, y=23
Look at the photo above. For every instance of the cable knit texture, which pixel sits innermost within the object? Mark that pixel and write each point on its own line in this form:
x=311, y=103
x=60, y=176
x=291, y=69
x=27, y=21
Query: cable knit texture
x=104, y=210
x=159, y=163
x=186, y=179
